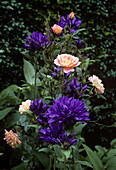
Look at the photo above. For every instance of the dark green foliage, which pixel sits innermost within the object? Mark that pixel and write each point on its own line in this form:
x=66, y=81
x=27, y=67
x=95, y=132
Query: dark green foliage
x=98, y=17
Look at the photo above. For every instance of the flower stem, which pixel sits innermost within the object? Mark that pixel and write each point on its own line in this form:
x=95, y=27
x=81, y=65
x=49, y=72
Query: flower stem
x=64, y=162
x=54, y=162
x=35, y=78
x=73, y=158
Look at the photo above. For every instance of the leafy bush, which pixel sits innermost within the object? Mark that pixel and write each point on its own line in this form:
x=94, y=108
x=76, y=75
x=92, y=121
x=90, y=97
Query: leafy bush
x=48, y=112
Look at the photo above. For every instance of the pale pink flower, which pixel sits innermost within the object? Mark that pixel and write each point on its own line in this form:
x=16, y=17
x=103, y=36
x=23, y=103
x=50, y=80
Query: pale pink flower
x=97, y=83
x=12, y=139
x=25, y=106
x=71, y=15
x=57, y=29
x=67, y=61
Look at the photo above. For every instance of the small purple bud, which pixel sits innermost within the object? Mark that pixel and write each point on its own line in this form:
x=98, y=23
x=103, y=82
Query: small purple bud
x=55, y=69
x=60, y=68
x=68, y=74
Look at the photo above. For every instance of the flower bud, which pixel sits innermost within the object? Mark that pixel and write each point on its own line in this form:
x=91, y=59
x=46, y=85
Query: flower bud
x=71, y=16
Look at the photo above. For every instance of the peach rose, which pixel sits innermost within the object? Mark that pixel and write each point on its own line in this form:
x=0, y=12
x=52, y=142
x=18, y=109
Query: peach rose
x=71, y=16
x=67, y=61
x=57, y=29
x=97, y=83
x=25, y=106
x=12, y=139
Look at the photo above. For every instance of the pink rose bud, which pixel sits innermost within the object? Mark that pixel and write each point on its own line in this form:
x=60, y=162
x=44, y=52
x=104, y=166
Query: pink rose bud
x=71, y=16
x=12, y=139
x=57, y=29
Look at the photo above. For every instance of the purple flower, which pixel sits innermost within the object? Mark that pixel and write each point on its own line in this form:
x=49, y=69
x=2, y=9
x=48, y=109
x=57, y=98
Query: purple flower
x=55, y=134
x=37, y=106
x=83, y=56
x=36, y=41
x=67, y=111
x=80, y=44
x=42, y=120
x=73, y=89
x=67, y=22
x=55, y=72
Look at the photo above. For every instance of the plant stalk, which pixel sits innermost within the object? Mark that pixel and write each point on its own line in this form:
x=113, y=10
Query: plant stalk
x=35, y=78
x=64, y=162
x=73, y=158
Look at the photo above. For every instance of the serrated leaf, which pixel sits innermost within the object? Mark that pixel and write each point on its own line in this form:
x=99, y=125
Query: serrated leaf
x=94, y=159
x=4, y=112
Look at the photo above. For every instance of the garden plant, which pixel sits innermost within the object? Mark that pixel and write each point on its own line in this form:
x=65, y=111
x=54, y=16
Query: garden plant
x=44, y=118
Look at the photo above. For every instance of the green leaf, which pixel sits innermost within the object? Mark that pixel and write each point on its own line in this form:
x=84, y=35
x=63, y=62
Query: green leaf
x=13, y=119
x=94, y=159
x=111, y=164
x=101, y=150
x=41, y=157
x=79, y=128
x=4, y=112
x=8, y=96
x=46, y=150
x=66, y=153
x=22, y=118
x=1, y=154
x=86, y=64
x=84, y=163
x=21, y=166
x=113, y=143
x=58, y=151
x=29, y=72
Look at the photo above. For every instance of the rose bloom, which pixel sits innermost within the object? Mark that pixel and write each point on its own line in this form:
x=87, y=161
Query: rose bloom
x=12, y=139
x=71, y=16
x=67, y=61
x=25, y=106
x=57, y=29
x=97, y=83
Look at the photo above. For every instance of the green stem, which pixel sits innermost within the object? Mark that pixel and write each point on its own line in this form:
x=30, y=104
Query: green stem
x=50, y=163
x=54, y=162
x=101, y=124
x=35, y=77
x=64, y=162
x=108, y=150
x=73, y=158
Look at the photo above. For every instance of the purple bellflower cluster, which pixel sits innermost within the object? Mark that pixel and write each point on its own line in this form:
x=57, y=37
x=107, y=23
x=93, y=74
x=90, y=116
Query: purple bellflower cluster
x=74, y=23
x=56, y=135
x=56, y=71
x=67, y=111
x=80, y=44
x=36, y=41
x=73, y=89
x=37, y=106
